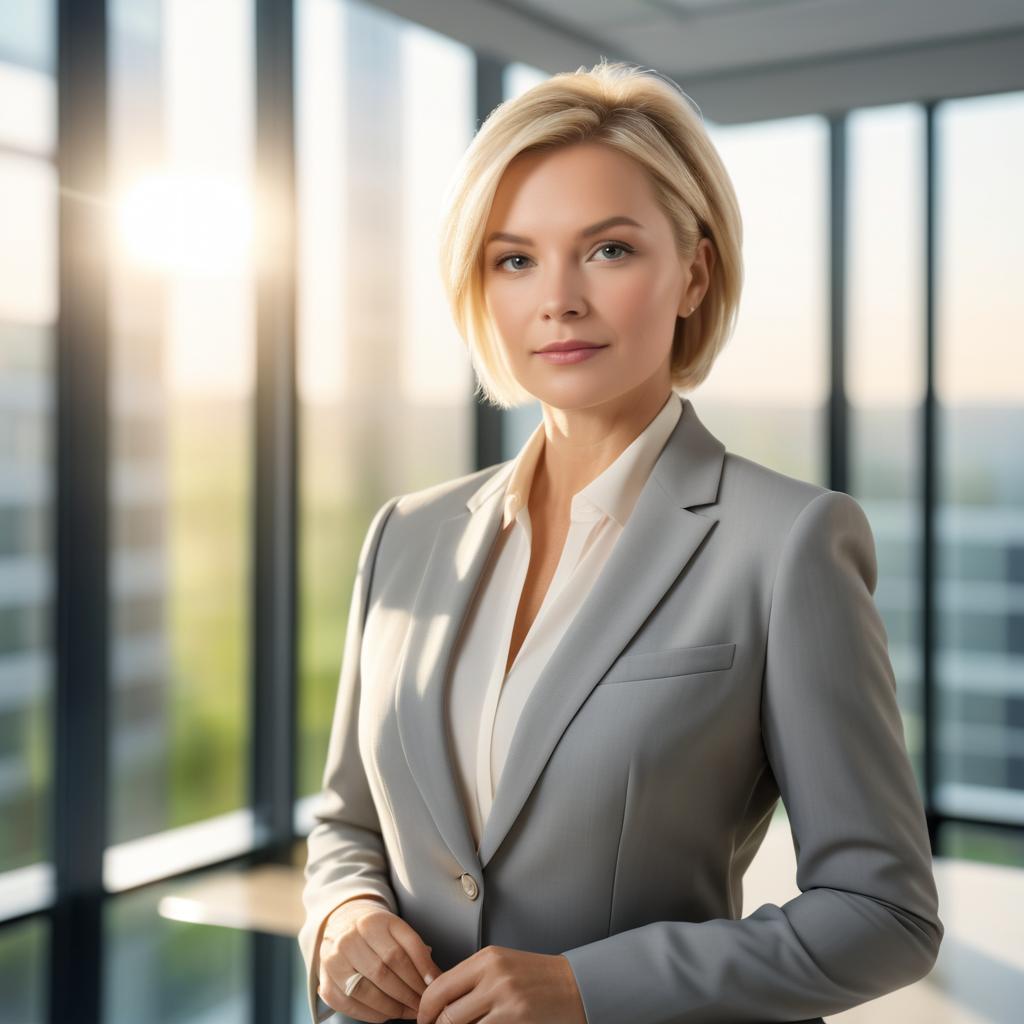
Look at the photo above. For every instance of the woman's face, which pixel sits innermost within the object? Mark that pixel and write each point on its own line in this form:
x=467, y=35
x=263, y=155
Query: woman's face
x=569, y=274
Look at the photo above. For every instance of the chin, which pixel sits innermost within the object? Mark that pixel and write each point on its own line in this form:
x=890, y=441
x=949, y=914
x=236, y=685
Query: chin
x=579, y=394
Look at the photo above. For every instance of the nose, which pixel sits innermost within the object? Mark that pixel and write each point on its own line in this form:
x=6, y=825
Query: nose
x=561, y=312
x=563, y=301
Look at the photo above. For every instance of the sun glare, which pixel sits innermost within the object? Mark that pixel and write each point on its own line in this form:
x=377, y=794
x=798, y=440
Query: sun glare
x=186, y=224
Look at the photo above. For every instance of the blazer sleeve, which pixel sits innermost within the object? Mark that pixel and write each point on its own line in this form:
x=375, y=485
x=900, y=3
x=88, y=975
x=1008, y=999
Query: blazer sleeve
x=866, y=920
x=346, y=855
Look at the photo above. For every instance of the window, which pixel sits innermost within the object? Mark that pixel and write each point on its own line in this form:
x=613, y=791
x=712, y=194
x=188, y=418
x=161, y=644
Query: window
x=28, y=317
x=182, y=350
x=885, y=344
x=169, y=971
x=980, y=525
x=765, y=396
x=28, y=314
x=384, y=380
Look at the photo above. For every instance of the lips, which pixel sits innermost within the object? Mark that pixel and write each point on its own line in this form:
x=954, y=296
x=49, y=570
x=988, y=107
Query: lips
x=572, y=356
x=569, y=345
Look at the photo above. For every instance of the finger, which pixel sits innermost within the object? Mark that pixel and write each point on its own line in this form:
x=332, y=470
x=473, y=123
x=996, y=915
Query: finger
x=368, y=993
x=416, y=949
x=352, y=1006
x=466, y=1009
x=449, y=992
x=392, y=943
x=381, y=987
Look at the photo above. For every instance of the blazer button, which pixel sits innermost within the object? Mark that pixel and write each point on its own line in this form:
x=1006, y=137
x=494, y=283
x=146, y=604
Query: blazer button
x=469, y=886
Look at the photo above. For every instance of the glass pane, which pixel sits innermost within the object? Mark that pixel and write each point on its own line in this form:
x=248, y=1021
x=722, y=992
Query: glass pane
x=765, y=397
x=300, y=985
x=980, y=323
x=385, y=381
x=23, y=965
x=978, y=842
x=182, y=311
x=885, y=365
x=28, y=36
x=164, y=972
x=28, y=84
x=28, y=318
x=518, y=77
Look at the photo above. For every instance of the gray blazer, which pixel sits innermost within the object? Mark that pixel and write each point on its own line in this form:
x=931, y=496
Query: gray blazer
x=731, y=652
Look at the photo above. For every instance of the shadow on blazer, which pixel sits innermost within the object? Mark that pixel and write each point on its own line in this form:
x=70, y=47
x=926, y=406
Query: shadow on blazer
x=730, y=652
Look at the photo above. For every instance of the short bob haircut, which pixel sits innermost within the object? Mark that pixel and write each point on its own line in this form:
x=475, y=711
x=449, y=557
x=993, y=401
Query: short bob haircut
x=642, y=115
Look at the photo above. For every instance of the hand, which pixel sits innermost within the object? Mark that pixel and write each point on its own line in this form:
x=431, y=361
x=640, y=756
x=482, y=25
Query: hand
x=505, y=986
x=363, y=935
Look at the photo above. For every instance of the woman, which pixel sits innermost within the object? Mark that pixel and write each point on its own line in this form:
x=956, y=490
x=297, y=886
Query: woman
x=576, y=684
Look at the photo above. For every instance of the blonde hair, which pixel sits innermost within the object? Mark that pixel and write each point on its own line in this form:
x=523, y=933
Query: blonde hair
x=637, y=113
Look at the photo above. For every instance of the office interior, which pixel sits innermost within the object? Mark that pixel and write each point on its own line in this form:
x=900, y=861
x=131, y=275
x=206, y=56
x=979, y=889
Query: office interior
x=223, y=345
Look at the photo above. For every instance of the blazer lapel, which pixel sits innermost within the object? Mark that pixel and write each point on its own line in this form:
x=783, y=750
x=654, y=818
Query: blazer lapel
x=659, y=539
x=454, y=568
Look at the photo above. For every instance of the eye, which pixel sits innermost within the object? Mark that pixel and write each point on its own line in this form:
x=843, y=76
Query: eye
x=627, y=249
x=613, y=245
x=505, y=259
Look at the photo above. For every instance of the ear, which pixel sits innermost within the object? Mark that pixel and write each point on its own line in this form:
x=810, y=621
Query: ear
x=700, y=270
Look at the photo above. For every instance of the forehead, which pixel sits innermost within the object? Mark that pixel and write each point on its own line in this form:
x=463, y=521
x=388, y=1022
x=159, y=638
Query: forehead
x=570, y=187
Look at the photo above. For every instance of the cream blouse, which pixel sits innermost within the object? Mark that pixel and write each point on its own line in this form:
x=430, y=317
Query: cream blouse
x=483, y=704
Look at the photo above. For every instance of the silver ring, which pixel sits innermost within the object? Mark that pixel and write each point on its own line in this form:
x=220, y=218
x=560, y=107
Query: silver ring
x=350, y=984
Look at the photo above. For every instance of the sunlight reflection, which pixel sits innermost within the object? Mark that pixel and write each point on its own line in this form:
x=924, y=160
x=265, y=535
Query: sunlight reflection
x=187, y=224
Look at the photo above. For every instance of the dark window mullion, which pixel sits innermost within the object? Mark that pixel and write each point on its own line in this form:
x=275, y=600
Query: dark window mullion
x=274, y=696
x=81, y=516
x=929, y=490
x=273, y=639
x=489, y=421
x=838, y=418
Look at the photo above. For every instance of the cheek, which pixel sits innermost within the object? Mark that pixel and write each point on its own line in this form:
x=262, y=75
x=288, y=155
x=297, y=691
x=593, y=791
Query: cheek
x=505, y=310
x=641, y=308
x=632, y=293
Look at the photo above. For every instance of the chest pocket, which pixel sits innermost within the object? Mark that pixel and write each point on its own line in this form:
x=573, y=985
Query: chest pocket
x=673, y=661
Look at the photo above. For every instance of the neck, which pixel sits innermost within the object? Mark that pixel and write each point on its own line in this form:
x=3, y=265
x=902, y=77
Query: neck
x=580, y=444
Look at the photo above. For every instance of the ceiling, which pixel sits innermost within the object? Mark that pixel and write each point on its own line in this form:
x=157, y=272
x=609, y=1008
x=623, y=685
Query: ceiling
x=751, y=59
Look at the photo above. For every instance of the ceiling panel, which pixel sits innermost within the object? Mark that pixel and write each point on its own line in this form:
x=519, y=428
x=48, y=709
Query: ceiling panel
x=747, y=60
x=712, y=36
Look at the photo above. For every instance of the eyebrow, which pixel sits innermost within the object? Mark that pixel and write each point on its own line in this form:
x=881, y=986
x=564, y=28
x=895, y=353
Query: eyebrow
x=504, y=236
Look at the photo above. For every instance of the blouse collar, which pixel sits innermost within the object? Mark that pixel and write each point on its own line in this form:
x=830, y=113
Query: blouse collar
x=614, y=491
